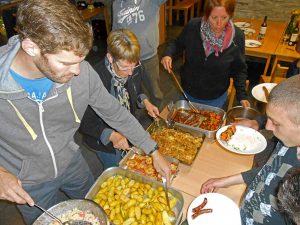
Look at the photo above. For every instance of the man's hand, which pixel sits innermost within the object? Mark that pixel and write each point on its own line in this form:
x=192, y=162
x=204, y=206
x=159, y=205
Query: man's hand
x=161, y=165
x=247, y=123
x=212, y=184
x=245, y=103
x=118, y=140
x=151, y=109
x=167, y=63
x=11, y=189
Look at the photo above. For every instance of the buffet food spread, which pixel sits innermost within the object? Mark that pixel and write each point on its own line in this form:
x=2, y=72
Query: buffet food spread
x=129, y=198
x=143, y=164
x=178, y=144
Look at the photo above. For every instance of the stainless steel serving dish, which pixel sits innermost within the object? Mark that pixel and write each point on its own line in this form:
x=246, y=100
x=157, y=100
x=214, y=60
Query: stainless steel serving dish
x=155, y=126
x=68, y=205
x=239, y=112
x=182, y=104
x=131, y=154
x=116, y=171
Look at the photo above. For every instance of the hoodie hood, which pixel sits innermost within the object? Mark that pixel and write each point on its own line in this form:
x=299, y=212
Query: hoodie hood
x=7, y=54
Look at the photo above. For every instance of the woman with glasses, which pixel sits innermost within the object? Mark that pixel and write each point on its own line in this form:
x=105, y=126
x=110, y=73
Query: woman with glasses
x=214, y=51
x=121, y=73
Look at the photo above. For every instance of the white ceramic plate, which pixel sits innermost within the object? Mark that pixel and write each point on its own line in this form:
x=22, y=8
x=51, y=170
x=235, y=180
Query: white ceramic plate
x=258, y=92
x=252, y=43
x=246, y=141
x=242, y=24
x=249, y=30
x=225, y=211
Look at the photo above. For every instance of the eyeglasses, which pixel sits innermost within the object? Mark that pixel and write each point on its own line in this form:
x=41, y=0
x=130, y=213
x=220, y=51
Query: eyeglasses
x=121, y=68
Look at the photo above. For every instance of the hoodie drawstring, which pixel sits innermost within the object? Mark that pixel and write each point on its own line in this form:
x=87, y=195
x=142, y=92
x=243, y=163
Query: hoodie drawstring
x=69, y=93
x=27, y=126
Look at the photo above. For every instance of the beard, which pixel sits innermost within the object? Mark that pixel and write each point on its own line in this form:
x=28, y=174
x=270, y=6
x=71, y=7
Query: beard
x=43, y=65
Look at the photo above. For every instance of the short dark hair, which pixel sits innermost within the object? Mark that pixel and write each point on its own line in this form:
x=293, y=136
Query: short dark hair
x=54, y=25
x=286, y=95
x=289, y=195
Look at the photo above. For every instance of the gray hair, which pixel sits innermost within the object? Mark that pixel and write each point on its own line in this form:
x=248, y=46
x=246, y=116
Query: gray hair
x=287, y=95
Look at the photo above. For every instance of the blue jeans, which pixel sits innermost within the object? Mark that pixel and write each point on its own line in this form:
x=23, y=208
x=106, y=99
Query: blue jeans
x=217, y=102
x=75, y=182
x=109, y=159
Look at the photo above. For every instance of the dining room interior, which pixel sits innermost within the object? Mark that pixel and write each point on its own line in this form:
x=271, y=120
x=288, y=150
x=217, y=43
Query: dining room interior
x=270, y=58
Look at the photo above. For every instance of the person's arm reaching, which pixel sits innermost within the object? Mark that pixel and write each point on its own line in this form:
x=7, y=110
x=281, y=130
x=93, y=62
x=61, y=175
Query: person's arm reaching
x=212, y=184
x=11, y=189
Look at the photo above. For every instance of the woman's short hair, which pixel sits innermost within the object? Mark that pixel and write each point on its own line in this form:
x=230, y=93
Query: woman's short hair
x=229, y=6
x=54, y=25
x=123, y=44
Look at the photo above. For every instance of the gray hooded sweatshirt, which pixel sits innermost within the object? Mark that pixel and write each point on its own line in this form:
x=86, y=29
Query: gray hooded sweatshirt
x=36, y=139
x=141, y=17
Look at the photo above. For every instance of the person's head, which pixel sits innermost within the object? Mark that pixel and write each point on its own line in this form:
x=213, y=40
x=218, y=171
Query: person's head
x=289, y=195
x=218, y=12
x=283, y=110
x=54, y=34
x=123, y=51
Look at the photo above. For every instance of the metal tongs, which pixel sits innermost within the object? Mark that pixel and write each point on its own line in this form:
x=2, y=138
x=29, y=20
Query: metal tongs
x=165, y=183
x=194, y=108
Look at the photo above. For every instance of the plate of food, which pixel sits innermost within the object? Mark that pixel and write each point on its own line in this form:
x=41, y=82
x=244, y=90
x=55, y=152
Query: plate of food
x=242, y=24
x=260, y=91
x=249, y=30
x=252, y=43
x=213, y=209
x=241, y=139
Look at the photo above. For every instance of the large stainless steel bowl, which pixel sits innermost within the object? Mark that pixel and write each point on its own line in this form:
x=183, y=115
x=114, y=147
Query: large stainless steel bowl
x=239, y=112
x=68, y=205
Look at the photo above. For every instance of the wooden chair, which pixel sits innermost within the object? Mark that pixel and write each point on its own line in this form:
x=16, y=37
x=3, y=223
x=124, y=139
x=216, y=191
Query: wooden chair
x=278, y=76
x=232, y=93
x=185, y=5
x=198, y=5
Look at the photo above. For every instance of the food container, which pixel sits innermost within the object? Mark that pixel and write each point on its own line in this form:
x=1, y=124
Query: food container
x=183, y=105
x=189, y=157
x=131, y=155
x=117, y=171
x=68, y=205
x=239, y=112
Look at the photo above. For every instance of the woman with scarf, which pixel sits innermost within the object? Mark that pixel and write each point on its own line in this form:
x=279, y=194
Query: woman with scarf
x=121, y=74
x=214, y=51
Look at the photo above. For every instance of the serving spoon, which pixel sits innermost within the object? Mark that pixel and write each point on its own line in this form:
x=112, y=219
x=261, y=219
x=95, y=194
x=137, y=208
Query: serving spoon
x=70, y=222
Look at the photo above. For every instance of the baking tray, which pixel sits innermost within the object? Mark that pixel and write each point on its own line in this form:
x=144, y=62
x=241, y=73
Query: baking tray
x=182, y=104
x=116, y=171
x=131, y=154
x=158, y=125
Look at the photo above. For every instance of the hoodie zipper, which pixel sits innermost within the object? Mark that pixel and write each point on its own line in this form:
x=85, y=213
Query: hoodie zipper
x=41, y=111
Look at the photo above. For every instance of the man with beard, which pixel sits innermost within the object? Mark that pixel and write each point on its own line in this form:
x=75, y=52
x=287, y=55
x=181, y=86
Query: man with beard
x=45, y=88
x=259, y=205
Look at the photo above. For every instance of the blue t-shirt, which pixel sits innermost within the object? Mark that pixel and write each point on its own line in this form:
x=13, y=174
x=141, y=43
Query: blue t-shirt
x=37, y=89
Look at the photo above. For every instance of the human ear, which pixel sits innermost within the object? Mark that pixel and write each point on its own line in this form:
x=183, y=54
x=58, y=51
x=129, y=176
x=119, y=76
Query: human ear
x=30, y=47
x=109, y=57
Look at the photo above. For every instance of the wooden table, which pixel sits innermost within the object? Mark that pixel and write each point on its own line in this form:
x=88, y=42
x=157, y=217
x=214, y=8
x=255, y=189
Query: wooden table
x=284, y=53
x=211, y=161
x=275, y=31
x=87, y=14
